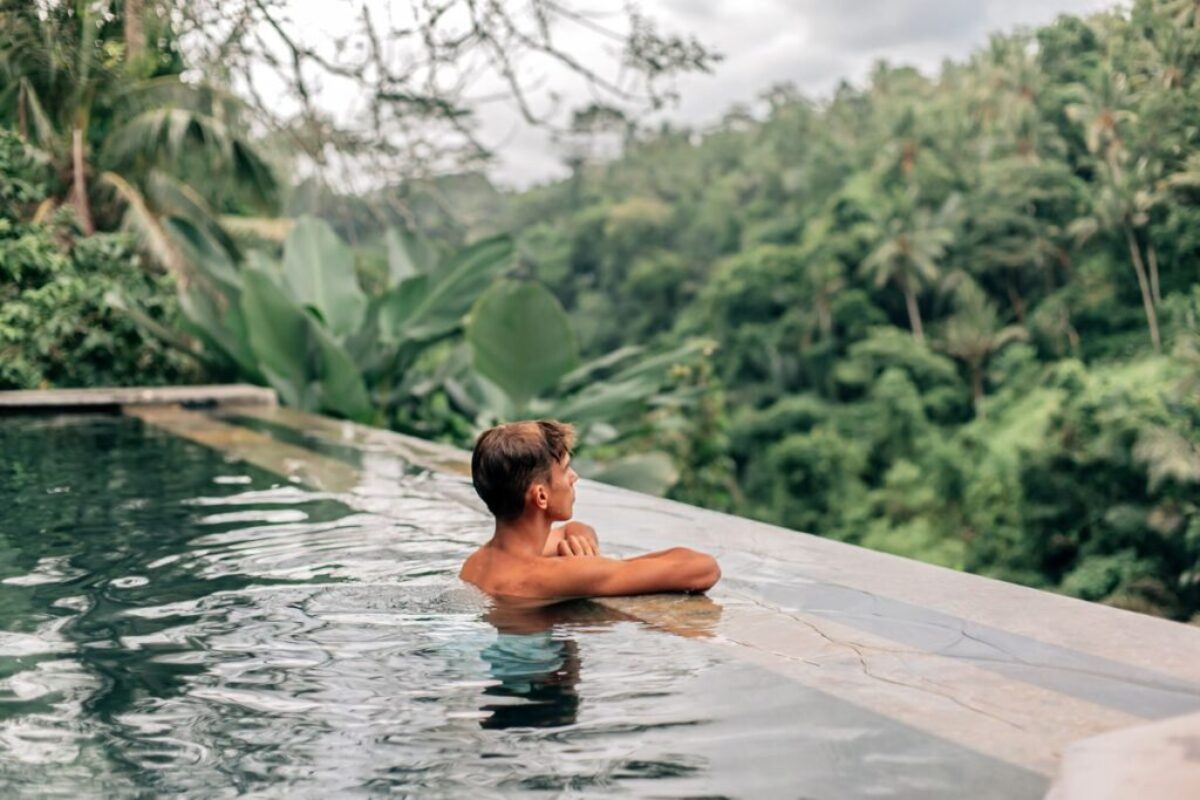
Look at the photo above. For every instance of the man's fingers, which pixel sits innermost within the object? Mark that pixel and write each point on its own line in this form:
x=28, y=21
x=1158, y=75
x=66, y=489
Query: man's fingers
x=577, y=546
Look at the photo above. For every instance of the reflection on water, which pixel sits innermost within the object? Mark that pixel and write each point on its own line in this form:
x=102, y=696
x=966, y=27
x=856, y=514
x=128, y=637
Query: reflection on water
x=536, y=663
x=536, y=675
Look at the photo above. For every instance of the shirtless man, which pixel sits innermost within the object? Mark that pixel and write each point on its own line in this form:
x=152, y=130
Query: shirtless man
x=522, y=471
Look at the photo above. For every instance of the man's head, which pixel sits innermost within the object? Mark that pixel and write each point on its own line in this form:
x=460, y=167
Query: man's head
x=524, y=466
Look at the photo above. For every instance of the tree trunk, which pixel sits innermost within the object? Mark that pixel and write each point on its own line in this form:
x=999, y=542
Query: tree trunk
x=79, y=186
x=1135, y=253
x=135, y=38
x=1152, y=262
x=977, y=388
x=824, y=319
x=1017, y=301
x=914, y=313
x=1072, y=335
x=23, y=111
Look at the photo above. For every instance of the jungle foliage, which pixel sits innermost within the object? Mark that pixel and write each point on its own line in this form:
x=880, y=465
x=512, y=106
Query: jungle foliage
x=56, y=326
x=956, y=315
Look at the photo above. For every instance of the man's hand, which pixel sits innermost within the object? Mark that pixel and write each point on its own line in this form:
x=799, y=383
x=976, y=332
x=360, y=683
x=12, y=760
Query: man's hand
x=572, y=540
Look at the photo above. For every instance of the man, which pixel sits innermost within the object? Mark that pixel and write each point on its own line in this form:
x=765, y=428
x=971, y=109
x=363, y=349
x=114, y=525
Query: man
x=522, y=471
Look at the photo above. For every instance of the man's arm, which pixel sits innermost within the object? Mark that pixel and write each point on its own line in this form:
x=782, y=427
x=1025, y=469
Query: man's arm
x=676, y=570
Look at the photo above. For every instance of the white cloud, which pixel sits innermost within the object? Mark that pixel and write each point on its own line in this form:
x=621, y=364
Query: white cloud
x=812, y=43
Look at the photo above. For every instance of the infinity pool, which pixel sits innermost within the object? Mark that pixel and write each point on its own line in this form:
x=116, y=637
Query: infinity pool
x=177, y=622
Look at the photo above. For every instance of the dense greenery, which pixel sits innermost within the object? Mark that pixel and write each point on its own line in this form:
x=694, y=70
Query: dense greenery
x=57, y=327
x=956, y=315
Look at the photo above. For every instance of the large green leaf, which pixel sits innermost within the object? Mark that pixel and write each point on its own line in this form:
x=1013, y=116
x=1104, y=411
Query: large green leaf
x=456, y=286
x=318, y=269
x=217, y=320
x=205, y=253
x=299, y=358
x=337, y=383
x=659, y=365
x=522, y=339
x=408, y=255
x=605, y=401
x=278, y=332
x=653, y=473
x=588, y=371
x=397, y=306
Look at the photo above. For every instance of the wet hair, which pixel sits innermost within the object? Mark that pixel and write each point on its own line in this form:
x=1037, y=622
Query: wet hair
x=508, y=458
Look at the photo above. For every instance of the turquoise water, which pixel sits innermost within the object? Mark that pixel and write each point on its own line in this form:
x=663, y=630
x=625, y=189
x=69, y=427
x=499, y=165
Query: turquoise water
x=173, y=623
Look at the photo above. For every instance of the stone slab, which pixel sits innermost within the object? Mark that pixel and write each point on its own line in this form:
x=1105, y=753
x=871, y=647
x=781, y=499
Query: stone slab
x=113, y=398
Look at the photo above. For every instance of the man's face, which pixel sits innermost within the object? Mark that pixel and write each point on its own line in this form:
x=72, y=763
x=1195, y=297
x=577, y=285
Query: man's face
x=560, y=488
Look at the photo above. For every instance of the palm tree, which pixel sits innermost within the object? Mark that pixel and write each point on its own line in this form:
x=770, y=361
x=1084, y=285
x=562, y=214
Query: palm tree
x=1185, y=13
x=974, y=334
x=1121, y=205
x=823, y=279
x=102, y=120
x=910, y=245
x=1013, y=232
x=1101, y=110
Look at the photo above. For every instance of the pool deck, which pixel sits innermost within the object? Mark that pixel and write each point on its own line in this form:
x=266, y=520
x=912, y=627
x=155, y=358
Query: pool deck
x=1106, y=700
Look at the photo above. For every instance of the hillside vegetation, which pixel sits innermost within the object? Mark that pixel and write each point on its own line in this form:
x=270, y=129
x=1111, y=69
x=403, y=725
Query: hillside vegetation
x=955, y=316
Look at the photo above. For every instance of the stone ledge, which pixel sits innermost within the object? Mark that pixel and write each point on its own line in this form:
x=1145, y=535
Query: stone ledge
x=115, y=397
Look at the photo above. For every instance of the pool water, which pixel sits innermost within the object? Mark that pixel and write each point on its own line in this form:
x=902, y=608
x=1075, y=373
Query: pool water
x=173, y=622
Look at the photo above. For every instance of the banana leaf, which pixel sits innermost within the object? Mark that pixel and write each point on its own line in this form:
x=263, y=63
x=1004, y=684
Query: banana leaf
x=278, y=336
x=652, y=473
x=318, y=270
x=217, y=320
x=605, y=401
x=300, y=359
x=408, y=255
x=456, y=286
x=397, y=306
x=522, y=340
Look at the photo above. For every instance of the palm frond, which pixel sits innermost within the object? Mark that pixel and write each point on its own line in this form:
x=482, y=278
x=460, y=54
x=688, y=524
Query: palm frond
x=140, y=219
x=47, y=136
x=170, y=195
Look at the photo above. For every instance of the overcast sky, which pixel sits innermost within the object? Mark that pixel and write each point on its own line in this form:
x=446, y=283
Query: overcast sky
x=812, y=43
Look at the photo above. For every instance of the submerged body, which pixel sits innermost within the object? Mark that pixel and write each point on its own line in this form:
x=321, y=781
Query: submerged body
x=529, y=560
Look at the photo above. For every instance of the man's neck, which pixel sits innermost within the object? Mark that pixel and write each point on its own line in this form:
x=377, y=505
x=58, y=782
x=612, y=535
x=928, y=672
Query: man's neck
x=524, y=536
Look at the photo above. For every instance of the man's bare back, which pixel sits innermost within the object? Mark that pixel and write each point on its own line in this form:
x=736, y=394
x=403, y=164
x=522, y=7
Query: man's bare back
x=528, y=560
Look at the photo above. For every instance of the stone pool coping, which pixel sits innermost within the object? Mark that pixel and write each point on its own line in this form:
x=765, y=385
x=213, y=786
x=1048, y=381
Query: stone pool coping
x=116, y=397
x=1099, y=696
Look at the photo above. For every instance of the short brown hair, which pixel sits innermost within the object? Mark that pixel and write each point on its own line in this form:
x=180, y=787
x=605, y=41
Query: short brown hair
x=508, y=458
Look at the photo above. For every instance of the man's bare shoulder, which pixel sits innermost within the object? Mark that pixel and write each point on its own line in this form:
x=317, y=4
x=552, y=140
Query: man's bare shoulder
x=504, y=574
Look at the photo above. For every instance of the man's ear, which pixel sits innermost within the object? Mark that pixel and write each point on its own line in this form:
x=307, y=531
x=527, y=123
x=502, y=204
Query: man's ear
x=538, y=496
